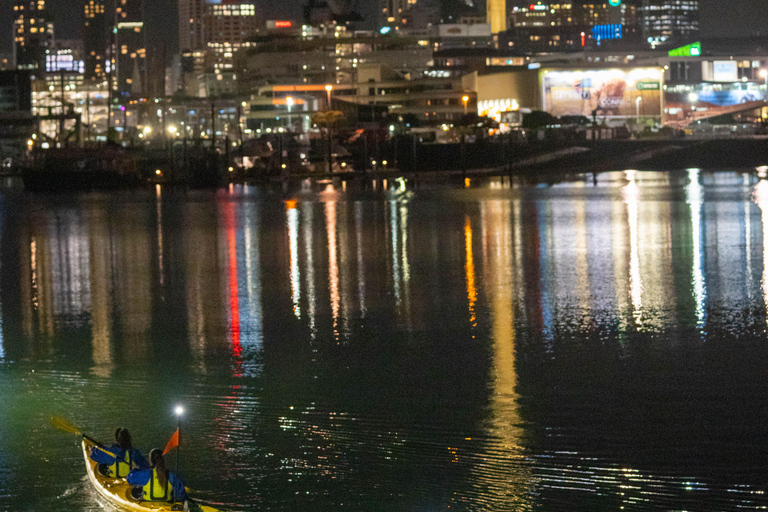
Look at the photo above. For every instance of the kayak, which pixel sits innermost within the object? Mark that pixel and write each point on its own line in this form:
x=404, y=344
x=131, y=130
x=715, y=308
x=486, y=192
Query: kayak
x=116, y=490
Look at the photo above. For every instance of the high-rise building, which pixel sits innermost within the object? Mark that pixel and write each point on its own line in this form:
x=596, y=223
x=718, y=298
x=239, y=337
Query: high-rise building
x=395, y=13
x=670, y=20
x=95, y=39
x=496, y=14
x=192, y=25
x=32, y=34
x=542, y=27
x=228, y=25
x=130, y=49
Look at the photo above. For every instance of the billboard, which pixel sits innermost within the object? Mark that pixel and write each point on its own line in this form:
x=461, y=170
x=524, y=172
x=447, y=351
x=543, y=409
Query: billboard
x=725, y=71
x=603, y=92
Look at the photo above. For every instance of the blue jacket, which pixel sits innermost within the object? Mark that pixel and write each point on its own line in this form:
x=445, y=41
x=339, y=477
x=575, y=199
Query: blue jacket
x=104, y=458
x=140, y=477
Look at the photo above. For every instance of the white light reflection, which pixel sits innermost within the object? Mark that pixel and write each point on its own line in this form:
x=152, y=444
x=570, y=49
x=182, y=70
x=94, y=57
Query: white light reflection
x=360, y=268
x=250, y=220
x=404, y=264
x=293, y=244
x=393, y=231
x=760, y=197
x=307, y=215
x=631, y=195
x=401, y=273
x=695, y=198
x=748, y=239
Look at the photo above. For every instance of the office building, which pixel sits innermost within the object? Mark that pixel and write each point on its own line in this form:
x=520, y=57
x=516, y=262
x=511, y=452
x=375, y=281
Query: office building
x=33, y=34
x=130, y=45
x=95, y=39
x=192, y=25
x=670, y=21
x=496, y=13
x=228, y=26
x=543, y=27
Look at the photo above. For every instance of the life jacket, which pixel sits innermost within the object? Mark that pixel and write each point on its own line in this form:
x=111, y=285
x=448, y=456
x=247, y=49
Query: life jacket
x=121, y=467
x=154, y=491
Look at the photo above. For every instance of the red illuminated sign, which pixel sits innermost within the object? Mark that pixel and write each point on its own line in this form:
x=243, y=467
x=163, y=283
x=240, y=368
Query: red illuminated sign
x=283, y=24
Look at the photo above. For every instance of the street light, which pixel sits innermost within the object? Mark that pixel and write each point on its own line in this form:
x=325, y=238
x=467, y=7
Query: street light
x=172, y=130
x=693, y=98
x=764, y=75
x=465, y=99
x=289, y=102
x=328, y=89
x=637, y=105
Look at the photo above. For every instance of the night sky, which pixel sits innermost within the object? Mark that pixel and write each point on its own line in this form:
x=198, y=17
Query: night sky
x=718, y=18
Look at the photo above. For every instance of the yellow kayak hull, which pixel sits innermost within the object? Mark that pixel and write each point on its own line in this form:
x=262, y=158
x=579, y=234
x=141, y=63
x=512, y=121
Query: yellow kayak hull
x=116, y=490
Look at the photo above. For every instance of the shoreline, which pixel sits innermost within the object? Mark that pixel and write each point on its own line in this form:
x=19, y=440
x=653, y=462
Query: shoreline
x=539, y=160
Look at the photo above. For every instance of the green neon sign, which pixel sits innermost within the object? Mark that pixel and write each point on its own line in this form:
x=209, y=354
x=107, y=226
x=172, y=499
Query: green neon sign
x=689, y=50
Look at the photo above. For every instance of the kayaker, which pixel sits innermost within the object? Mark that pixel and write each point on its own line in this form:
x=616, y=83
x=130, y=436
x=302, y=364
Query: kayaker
x=124, y=459
x=156, y=483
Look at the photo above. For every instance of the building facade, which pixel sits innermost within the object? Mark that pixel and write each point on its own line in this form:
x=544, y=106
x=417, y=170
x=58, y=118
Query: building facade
x=192, y=25
x=228, y=26
x=670, y=21
x=130, y=50
x=547, y=27
x=33, y=34
x=95, y=39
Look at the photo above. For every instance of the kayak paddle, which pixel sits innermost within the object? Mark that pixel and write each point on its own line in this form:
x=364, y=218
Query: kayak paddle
x=66, y=426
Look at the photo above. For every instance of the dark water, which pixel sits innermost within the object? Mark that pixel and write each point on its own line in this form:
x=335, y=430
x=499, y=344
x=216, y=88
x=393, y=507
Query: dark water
x=582, y=346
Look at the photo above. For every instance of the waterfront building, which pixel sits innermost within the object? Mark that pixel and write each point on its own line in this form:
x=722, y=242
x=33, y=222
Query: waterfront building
x=33, y=34
x=376, y=92
x=692, y=83
x=70, y=93
x=670, y=21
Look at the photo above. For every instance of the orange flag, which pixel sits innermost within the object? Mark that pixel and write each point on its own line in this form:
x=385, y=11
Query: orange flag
x=172, y=443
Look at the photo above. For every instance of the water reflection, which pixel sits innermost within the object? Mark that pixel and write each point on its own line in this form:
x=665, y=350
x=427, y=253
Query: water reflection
x=293, y=240
x=760, y=197
x=496, y=347
x=631, y=194
x=695, y=198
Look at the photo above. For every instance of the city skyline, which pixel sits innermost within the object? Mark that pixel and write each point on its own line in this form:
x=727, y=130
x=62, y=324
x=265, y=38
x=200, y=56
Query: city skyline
x=734, y=19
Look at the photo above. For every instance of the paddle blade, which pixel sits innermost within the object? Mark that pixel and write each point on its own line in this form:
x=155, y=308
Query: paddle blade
x=206, y=508
x=62, y=424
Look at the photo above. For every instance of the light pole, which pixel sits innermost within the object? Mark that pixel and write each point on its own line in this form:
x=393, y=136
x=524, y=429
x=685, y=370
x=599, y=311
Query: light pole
x=693, y=98
x=637, y=106
x=328, y=89
x=465, y=99
x=289, y=102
